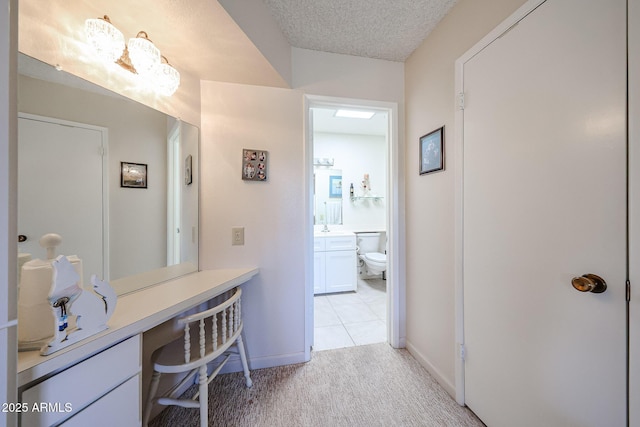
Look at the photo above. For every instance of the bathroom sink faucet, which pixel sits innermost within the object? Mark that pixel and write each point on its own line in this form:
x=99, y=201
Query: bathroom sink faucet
x=325, y=229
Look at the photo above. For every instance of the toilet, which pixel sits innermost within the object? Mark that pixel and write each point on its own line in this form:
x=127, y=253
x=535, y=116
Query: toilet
x=372, y=261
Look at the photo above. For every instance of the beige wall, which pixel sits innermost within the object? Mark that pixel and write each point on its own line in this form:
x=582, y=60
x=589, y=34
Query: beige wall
x=429, y=104
x=345, y=76
x=259, y=25
x=234, y=117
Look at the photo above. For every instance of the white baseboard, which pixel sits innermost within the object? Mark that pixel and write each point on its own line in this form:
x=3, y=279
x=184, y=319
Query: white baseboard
x=435, y=372
x=234, y=365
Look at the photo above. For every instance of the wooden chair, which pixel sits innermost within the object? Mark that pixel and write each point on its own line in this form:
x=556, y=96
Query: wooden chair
x=218, y=329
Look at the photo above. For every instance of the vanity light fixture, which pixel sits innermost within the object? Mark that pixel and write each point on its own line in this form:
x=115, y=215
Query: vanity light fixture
x=139, y=56
x=355, y=114
x=143, y=53
x=106, y=39
x=166, y=77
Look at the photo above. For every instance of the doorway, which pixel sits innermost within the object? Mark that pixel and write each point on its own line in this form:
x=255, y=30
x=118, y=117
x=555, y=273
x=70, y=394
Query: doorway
x=334, y=149
x=58, y=154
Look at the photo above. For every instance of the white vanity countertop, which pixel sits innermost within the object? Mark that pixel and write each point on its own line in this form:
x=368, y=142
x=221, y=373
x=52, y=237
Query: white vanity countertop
x=135, y=313
x=336, y=233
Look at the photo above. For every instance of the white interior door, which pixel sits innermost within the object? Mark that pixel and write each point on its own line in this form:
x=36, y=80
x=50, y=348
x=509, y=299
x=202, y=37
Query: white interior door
x=544, y=193
x=60, y=190
x=634, y=210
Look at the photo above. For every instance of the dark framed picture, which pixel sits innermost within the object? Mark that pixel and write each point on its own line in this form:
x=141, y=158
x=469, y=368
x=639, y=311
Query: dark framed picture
x=188, y=170
x=133, y=175
x=432, y=151
x=254, y=165
x=335, y=186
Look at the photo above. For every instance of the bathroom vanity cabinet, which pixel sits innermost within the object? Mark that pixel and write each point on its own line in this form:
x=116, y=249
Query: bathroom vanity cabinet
x=335, y=262
x=93, y=387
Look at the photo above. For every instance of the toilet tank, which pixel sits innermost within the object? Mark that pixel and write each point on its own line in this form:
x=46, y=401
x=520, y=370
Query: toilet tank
x=370, y=242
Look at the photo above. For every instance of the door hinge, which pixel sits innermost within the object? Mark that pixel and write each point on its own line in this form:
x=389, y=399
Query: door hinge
x=461, y=101
x=463, y=352
x=628, y=296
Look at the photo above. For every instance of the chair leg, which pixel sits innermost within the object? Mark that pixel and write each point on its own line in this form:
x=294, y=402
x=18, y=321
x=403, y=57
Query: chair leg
x=153, y=389
x=203, y=399
x=243, y=359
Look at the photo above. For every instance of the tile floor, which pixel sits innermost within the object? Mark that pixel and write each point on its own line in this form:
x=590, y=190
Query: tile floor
x=351, y=318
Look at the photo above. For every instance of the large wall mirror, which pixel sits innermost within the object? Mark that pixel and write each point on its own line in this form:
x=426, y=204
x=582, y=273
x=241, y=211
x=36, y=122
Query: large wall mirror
x=119, y=181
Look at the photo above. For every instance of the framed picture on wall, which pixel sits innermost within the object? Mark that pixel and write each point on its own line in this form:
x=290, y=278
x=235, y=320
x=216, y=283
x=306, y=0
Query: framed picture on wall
x=335, y=186
x=254, y=165
x=133, y=175
x=432, y=151
x=188, y=170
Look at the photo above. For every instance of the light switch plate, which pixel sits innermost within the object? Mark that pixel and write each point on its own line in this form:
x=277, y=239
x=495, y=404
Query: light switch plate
x=237, y=236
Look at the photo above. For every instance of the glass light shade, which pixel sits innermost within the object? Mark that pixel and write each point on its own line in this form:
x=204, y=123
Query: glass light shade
x=106, y=39
x=143, y=54
x=166, y=79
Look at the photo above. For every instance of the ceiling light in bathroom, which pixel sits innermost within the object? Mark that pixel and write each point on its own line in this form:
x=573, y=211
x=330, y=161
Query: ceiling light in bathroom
x=355, y=114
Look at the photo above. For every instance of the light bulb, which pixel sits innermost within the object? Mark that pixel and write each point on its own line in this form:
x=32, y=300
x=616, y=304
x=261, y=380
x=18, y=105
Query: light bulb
x=166, y=79
x=143, y=54
x=106, y=39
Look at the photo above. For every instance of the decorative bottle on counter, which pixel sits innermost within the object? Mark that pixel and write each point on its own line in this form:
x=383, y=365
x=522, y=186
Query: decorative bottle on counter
x=351, y=190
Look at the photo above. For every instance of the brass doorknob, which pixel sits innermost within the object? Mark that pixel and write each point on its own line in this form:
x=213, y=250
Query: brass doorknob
x=589, y=283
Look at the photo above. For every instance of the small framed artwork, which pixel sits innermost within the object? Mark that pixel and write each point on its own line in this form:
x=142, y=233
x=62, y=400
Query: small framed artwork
x=335, y=186
x=133, y=175
x=254, y=165
x=432, y=151
x=188, y=170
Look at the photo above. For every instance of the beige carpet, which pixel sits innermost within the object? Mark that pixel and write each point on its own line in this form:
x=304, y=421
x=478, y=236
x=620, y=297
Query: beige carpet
x=371, y=385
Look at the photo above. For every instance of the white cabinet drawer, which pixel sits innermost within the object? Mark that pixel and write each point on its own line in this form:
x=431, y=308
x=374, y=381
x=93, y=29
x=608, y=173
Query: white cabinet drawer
x=340, y=243
x=120, y=407
x=83, y=383
x=334, y=243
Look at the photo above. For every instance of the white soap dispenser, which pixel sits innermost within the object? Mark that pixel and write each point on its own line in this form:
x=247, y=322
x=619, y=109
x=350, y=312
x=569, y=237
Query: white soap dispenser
x=36, y=324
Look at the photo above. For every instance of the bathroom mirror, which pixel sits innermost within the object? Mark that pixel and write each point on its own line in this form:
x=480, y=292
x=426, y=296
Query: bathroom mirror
x=79, y=147
x=328, y=196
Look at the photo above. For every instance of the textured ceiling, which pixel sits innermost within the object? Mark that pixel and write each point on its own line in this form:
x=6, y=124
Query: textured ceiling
x=381, y=29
